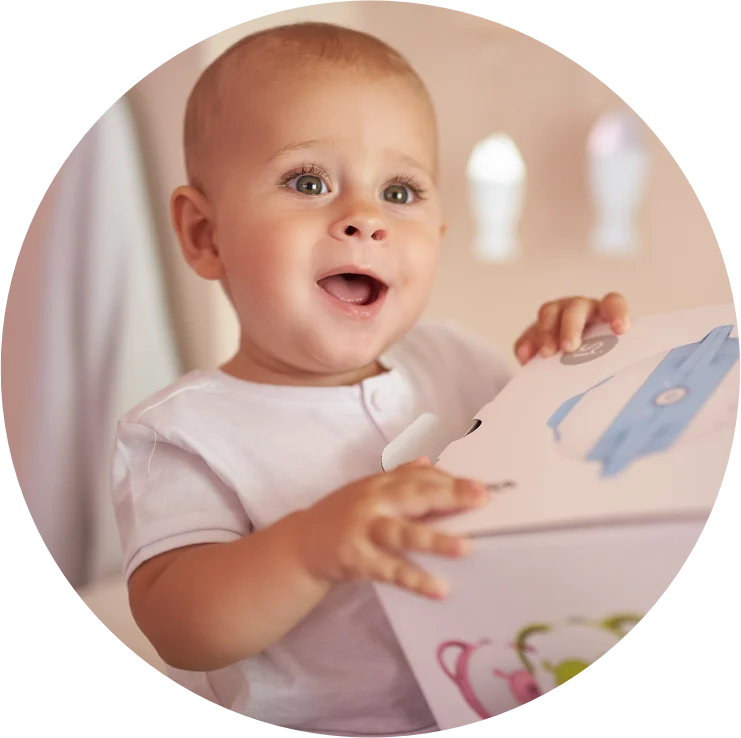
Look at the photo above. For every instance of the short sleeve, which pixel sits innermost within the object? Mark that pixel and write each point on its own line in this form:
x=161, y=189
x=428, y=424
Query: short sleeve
x=167, y=497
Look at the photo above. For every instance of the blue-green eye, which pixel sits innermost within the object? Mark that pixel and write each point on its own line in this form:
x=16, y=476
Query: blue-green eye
x=398, y=194
x=309, y=184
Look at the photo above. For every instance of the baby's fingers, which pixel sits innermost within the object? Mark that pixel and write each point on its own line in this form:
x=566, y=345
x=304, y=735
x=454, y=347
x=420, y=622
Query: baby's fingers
x=421, y=461
x=526, y=345
x=576, y=314
x=549, y=323
x=435, y=492
x=397, y=534
x=392, y=570
x=614, y=310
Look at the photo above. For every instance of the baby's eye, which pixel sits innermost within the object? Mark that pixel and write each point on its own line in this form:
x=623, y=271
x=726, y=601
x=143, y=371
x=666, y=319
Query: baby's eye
x=399, y=194
x=309, y=184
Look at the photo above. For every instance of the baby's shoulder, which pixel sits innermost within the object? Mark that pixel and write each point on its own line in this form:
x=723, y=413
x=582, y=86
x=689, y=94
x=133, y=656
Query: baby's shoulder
x=187, y=394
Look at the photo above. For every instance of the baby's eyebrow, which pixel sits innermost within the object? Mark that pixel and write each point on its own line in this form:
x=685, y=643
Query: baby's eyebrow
x=292, y=148
x=410, y=161
x=399, y=156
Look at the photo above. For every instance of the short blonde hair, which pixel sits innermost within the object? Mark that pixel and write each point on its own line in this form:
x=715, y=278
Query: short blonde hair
x=321, y=43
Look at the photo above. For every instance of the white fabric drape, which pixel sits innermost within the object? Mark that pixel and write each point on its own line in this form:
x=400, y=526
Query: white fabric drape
x=104, y=343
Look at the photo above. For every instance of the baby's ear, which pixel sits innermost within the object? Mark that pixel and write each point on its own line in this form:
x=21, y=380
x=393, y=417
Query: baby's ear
x=193, y=222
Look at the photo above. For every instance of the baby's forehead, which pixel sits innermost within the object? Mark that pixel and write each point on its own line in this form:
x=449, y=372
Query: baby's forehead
x=290, y=47
x=247, y=81
x=251, y=90
x=271, y=79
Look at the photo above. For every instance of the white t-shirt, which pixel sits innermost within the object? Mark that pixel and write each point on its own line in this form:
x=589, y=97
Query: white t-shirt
x=212, y=458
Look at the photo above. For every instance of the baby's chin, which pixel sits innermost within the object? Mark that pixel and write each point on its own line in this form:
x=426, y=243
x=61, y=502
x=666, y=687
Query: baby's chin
x=345, y=360
x=343, y=354
x=325, y=346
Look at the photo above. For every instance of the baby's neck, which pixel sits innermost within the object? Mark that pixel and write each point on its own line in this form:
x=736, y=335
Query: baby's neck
x=243, y=365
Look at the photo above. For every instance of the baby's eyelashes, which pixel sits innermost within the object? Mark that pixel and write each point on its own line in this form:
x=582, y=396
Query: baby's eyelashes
x=310, y=179
x=398, y=194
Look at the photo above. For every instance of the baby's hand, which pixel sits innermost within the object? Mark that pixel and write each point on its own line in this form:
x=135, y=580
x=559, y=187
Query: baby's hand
x=561, y=324
x=361, y=531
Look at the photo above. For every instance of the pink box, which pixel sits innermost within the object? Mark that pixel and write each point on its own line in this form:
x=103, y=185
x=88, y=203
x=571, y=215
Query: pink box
x=604, y=467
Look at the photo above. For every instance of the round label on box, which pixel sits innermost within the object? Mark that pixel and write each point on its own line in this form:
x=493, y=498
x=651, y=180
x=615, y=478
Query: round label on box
x=590, y=350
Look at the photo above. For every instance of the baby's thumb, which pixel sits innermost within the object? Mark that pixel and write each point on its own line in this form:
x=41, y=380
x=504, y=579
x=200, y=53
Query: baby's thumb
x=420, y=461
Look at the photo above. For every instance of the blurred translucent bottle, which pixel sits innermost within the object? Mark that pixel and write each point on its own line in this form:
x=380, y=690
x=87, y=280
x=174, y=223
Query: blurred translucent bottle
x=496, y=175
x=617, y=178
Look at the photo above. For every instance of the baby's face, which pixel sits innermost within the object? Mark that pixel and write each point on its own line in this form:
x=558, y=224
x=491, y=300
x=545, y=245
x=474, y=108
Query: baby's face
x=327, y=218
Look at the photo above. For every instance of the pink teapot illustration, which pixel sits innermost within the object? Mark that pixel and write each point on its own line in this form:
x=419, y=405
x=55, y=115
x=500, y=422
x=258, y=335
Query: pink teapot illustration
x=496, y=677
x=488, y=690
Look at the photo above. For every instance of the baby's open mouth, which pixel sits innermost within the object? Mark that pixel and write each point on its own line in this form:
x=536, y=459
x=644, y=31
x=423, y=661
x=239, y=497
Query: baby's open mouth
x=355, y=289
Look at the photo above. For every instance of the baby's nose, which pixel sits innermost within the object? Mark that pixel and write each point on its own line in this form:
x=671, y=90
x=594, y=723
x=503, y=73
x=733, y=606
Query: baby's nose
x=366, y=226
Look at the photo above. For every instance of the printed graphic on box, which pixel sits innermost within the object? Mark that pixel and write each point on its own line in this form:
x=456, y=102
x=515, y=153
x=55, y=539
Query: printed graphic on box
x=495, y=677
x=490, y=676
x=688, y=379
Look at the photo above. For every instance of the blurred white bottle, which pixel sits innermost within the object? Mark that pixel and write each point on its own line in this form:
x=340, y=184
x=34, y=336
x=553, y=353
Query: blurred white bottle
x=496, y=176
x=617, y=178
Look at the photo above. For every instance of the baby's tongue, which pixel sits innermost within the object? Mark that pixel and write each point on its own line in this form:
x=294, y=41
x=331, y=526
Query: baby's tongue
x=356, y=289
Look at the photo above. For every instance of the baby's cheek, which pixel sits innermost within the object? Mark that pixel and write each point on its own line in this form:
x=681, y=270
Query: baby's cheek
x=264, y=259
x=260, y=289
x=420, y=261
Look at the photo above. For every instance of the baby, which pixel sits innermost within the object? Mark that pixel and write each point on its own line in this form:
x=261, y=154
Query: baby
x=251, y=503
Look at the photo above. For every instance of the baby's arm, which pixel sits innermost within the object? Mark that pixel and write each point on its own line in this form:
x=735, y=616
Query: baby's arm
x=204, y=587
x=235, y=592
x=207, y=606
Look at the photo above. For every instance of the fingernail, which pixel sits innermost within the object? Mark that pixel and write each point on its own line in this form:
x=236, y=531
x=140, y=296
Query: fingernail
x=567, y=346
x=459, y=547
x=479, y=488
x=547, y=351
x=439, y=590
x=523, y=353
x=617, y=326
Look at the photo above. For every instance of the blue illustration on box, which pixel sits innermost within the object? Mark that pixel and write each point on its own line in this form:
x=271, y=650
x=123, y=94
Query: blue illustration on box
x=691, y=387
